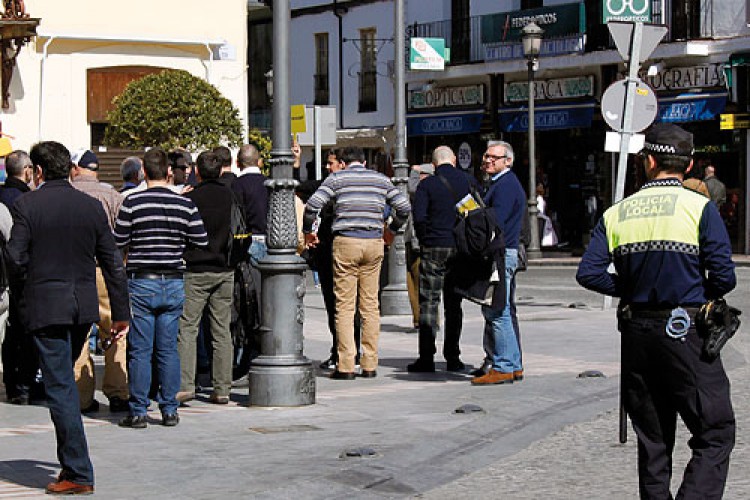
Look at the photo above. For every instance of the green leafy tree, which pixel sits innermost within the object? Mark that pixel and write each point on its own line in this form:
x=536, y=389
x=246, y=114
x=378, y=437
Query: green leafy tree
x=173, y=109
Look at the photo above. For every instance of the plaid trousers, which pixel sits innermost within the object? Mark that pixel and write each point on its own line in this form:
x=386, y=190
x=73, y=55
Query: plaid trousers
x=436, y=276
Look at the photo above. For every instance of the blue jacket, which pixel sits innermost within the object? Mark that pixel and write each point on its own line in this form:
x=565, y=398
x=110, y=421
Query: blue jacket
x=434, y=209
x=669, y=247
x=508, y=198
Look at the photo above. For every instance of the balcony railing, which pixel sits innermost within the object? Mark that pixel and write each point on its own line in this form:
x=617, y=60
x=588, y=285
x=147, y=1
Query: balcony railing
x=686, y=20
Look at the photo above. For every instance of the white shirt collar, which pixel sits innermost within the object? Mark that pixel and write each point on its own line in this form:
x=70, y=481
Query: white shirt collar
x=249, y=170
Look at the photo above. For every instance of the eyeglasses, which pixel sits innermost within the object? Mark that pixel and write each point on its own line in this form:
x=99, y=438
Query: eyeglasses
x=492, y=158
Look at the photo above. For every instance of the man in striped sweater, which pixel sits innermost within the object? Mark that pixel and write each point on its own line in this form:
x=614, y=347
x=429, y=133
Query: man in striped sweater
x=360, y=197
x=155, y=225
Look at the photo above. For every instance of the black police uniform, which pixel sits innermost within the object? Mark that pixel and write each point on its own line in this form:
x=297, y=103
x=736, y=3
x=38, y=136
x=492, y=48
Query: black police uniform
x=671, y=253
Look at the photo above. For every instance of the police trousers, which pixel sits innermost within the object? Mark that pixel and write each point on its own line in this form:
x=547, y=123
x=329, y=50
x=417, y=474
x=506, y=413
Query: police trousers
x=664, y=377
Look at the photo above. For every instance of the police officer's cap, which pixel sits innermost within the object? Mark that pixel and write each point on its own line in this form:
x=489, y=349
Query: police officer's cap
x=668, y=138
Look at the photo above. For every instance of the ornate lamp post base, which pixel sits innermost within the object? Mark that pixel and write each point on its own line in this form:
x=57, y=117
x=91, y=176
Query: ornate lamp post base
x=282, y=376
x=394, y=299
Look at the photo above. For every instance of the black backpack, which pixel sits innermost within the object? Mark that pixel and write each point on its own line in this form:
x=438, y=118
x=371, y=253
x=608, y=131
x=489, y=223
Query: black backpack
x=239, y=237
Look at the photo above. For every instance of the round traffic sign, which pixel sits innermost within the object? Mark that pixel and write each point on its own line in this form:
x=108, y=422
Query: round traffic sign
x=644, y=101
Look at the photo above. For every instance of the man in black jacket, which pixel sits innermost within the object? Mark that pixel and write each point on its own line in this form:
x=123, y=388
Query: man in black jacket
x=58, y=236
x=434, y=214
x=209, y=282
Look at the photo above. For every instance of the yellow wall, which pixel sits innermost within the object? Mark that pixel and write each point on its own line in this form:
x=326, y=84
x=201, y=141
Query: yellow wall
x=62, y=100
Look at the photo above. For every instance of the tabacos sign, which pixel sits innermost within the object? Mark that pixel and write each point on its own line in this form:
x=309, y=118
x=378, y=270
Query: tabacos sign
x=555, y=88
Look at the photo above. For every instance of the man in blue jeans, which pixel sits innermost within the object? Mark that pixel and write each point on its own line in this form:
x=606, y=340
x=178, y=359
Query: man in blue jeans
x=506, y=196
x=155, y=225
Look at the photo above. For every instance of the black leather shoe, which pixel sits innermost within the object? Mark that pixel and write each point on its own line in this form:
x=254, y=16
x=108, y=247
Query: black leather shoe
x=21, y=400
x=421, y=365
x=337, y=375
x=368, y=374
x=170, y=420
x=455, y=365
x=134, y=422
x=328, y=364
x=118, y=405
x=482, y=370
x=92, y=408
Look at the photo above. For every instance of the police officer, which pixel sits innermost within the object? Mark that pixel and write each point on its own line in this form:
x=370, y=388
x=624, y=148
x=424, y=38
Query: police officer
x=671, y=254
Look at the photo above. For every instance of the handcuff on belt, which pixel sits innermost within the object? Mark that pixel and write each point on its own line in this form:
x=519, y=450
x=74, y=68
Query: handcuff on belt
x=678, y=323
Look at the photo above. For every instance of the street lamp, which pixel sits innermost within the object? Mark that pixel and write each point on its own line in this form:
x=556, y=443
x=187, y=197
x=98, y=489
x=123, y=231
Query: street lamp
x=395, y=297
x=532, y=43
x=281, y=375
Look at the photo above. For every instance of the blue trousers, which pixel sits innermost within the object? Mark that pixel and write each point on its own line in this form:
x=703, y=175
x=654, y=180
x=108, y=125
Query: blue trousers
x=58, y=348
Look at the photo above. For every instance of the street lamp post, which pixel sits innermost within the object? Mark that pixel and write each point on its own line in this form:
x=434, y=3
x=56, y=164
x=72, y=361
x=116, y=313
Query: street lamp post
x=532, y=42
x=395, y=297
x=281, y=375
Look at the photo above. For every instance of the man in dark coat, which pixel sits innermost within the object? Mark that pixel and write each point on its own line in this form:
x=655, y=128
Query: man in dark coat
x=58, y=236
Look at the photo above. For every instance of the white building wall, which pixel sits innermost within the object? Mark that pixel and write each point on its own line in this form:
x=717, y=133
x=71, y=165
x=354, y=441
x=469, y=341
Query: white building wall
x=62, y=101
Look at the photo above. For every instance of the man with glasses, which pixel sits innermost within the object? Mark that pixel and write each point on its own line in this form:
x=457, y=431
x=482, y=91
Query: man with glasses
x=434, y=215
x=506, y=196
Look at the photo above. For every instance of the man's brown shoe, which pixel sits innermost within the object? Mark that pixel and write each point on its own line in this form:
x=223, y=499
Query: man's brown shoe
x=184, y=396
x=65, y=487
x=493, y=377
x=218, y=400
x=518, y=375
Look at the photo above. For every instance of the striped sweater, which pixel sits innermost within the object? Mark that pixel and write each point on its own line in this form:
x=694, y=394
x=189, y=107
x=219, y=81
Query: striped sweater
x=360, y=196
x=155, y=225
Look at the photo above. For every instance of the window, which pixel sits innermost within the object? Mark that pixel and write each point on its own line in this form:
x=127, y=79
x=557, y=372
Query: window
x=322, y=87
x=368, y=90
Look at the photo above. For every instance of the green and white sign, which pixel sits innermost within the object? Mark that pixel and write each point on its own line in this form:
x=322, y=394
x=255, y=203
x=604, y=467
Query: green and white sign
x=427, y=53
x=626, y=10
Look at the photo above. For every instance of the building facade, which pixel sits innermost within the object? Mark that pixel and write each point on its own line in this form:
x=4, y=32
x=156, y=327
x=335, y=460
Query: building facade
x=85, y=52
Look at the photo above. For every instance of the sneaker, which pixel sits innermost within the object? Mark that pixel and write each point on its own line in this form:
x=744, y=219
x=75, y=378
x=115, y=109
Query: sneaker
x=134, y=422
x=328, y=364
x=421, y=365
x=118, y=405
x=455, y=365
x=493, y=377
x=170, y=419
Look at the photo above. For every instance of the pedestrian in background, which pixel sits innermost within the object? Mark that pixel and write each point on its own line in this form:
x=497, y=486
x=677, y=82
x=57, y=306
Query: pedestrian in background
x=155, y=226
x=84, y=177
x=671, y=254
x=360, y=197
x=508, y=200
x=58, y=236
x=417, y=174
x=434, y=213
x=209, y=282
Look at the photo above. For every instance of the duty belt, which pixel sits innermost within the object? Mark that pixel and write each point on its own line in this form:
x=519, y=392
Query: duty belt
x=678, y=319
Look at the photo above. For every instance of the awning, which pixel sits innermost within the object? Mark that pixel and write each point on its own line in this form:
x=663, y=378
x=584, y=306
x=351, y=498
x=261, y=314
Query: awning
x=689, y=107
x=459, y=122
x=548, y=116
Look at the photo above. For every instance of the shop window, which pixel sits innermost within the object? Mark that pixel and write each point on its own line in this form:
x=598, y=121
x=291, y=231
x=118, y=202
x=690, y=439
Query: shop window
x=322, y=87
x=368, y=77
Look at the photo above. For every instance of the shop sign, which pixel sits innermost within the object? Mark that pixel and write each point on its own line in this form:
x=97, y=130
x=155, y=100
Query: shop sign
x=735, y=121
x=555, y=47
x=427, y=54
x=687, y=78
x=626, y=10
x=447, y=97
x=449, y=124
x=547, y=118
x=555, y=88
x=690, y=108
x=556, y=21
x=464, y=155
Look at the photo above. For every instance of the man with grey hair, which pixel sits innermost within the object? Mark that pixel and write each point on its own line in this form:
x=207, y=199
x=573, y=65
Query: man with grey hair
x=716, y=189
x=506, y=196
x=18, y=167
x=434, y=214
x=131, y=171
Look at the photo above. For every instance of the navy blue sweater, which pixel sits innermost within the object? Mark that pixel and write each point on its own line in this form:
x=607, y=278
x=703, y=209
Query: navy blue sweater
x=434, y=209
x=508, y=199
x=253, y=194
